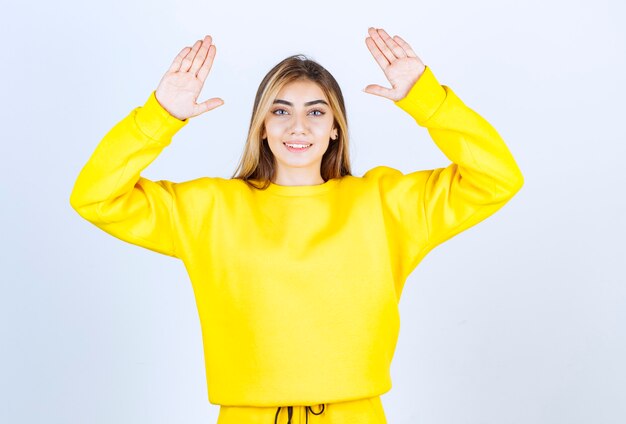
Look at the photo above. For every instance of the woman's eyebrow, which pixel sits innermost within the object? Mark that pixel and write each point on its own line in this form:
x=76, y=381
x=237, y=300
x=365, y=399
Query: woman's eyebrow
x=285, y=102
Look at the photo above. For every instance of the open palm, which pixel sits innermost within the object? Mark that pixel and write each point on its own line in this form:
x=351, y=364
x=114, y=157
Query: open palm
x=180, y=87
x=398, y=61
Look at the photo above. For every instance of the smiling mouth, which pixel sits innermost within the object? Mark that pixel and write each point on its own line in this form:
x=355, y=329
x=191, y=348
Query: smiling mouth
x=297, y=147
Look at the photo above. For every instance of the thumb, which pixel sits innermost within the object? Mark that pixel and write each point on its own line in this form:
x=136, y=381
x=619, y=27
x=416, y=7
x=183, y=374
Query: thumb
x=377, y=90
x=207, y=106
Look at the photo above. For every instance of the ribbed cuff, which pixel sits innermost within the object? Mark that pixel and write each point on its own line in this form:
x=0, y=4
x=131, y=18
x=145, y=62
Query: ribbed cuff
x=424, y=98
x=156, y=122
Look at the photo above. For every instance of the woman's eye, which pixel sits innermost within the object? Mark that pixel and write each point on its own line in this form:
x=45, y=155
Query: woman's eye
x=278, y=110
x=321, y=112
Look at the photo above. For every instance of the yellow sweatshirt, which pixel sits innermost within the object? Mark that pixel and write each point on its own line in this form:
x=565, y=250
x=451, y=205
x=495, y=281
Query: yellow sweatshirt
x=297, y=287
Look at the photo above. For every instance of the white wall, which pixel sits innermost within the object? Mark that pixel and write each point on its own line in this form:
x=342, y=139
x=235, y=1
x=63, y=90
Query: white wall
x=518, y=320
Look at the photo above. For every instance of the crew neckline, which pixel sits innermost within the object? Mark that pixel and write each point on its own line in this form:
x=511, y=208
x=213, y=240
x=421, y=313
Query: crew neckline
x=302, y=190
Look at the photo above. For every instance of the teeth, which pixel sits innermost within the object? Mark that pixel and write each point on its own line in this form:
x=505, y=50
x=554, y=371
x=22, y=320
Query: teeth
x=298, y=146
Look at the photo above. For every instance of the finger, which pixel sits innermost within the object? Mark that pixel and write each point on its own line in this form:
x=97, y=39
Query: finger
x=382, y=46
x=208, y=63
x=175, y=66
x=378, y=90
x=187, y=60
x=199, y=59
x=395, y=47
x=378, y=55
x=405, y=46
x=206, y=106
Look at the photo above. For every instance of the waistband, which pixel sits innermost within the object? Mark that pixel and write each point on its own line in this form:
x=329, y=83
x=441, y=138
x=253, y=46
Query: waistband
x=290, y=413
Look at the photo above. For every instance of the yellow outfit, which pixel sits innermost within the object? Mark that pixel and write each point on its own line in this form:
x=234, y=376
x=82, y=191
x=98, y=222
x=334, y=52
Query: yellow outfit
x=297, y=287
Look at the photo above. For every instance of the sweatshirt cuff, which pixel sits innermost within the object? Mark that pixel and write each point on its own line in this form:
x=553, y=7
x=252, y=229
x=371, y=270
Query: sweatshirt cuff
x=156, y=122
x=424, y=98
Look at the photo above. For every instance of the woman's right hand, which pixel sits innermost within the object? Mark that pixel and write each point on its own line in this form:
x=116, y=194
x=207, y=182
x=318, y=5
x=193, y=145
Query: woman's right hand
x=181, y=85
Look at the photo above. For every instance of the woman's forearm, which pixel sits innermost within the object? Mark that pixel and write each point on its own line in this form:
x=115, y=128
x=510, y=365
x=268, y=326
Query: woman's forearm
x=109, y=191
x=483, y=175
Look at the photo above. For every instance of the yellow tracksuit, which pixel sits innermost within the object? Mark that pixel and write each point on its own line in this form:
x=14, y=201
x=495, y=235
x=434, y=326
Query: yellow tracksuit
x=297, y=287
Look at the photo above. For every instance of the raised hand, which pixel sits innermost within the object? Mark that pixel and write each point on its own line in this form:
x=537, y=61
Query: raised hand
x=181, y=85
x=398, y=61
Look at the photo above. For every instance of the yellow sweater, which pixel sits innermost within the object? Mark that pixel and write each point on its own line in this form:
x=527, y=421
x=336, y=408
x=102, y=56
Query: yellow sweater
x=297, y=287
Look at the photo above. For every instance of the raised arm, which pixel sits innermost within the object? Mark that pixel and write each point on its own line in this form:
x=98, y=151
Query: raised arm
x=110, y=192
x=427, y=207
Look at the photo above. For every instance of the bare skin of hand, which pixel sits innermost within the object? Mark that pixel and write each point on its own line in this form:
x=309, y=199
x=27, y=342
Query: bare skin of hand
x=180, y=87
x=398, y=61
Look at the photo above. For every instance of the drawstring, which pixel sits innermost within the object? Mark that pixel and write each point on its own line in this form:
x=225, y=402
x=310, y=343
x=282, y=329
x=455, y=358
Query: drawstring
x=290, y=413
x=308, y=408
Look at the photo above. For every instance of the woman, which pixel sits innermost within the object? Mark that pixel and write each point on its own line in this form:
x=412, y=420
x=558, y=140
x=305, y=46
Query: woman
x=298, y=266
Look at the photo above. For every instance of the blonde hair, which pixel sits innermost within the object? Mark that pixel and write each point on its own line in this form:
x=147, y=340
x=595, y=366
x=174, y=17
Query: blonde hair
x=257, y=161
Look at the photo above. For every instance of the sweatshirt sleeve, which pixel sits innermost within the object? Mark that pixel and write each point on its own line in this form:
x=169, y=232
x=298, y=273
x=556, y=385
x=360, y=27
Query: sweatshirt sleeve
x=109, y=191
x=427, y=207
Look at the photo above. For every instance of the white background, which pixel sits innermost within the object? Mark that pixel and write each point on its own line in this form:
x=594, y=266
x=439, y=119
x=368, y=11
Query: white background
x=521, y=319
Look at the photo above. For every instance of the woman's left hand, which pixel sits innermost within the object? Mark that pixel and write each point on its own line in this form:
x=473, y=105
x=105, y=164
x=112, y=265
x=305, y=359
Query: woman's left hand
x=398, y=61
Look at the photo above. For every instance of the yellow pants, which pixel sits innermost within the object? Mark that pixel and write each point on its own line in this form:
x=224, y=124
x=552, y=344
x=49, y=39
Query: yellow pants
x=361, y=411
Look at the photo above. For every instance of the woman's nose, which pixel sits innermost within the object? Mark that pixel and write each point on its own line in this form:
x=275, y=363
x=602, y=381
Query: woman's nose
x=298, y=124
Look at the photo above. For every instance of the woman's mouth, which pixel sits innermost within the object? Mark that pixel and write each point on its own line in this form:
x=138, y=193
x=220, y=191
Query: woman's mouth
x=297, y=147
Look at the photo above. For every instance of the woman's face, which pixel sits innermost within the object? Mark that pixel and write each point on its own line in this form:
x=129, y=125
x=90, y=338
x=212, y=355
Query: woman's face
x=299, y=116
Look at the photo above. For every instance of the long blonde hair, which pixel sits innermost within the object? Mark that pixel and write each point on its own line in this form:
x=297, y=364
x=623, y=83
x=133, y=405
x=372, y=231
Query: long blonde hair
x=257, y=161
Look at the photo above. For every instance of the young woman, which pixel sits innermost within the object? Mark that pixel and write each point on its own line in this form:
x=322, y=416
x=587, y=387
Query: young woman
x=298, y=266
